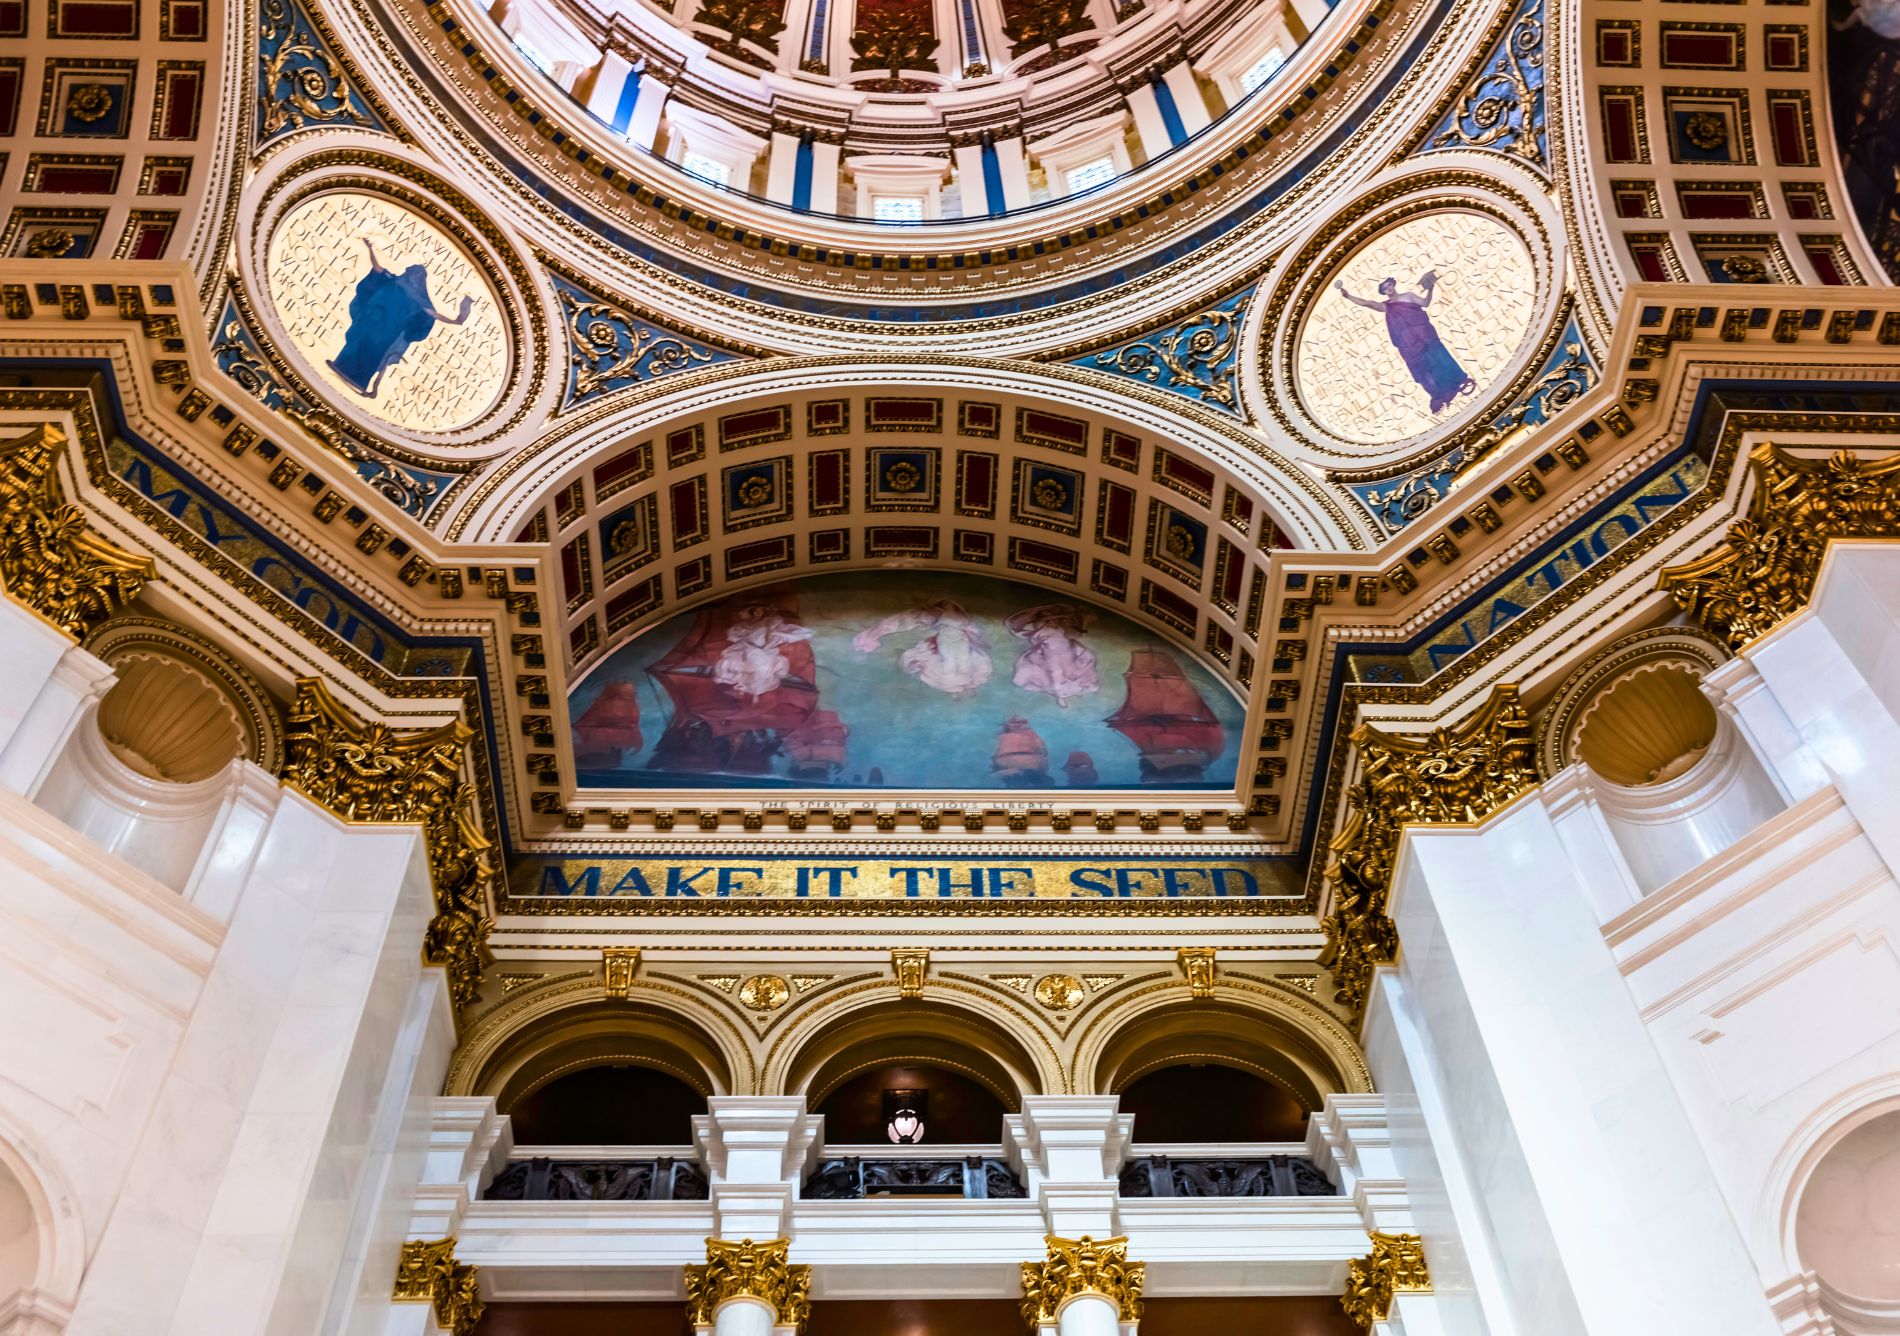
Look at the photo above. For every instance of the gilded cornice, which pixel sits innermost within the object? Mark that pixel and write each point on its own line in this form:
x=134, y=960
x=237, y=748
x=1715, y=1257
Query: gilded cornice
x=1764, y=571
x=49, y=559
x=1396, y=1265
x=749, y=1270
x=427, y=1272
x=1082, y=1266
x=1450, y=775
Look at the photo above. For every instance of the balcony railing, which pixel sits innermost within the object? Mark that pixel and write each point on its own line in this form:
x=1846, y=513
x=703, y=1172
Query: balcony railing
x=1272, y=1176
x=975, y=1177
x=662, y=1179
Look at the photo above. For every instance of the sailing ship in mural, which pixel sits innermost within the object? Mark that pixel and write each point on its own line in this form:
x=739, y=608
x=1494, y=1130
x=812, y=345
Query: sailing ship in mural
x=1165, y=717
x=920, y=681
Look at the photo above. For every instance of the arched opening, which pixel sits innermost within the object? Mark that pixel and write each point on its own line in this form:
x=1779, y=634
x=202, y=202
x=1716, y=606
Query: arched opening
x=619, y=1104
x=1847, y=1227
x=1215, y=1071
x=969, y=1067
x=950, y=1107
x=19, y=1238
x=1208, y=1102
x=598, y=1073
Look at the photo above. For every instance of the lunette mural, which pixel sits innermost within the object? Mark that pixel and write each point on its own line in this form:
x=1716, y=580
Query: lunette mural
x=914, y=680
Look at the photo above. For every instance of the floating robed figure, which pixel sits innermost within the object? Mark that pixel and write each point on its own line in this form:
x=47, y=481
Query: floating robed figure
x=389, y=315
x=1416, y=338
x=954, y=657
x=1056, y=663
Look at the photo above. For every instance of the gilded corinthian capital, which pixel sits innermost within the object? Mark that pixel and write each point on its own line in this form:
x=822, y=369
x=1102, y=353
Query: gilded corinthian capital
x=1082, y=1266
x=1448, y=775
x=748, y=1269
x=429, y=1273
x=1764, y=571
x=371, y=772
x=49, y=559
x=1396, y=1265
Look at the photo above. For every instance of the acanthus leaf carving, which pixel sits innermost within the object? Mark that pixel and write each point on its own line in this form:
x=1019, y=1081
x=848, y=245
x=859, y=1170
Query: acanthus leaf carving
x=1461, y=774
x=1764, y=570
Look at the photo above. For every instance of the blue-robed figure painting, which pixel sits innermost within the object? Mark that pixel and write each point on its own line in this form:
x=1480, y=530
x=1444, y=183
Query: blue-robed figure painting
x=389, y=314
x=1416, y=338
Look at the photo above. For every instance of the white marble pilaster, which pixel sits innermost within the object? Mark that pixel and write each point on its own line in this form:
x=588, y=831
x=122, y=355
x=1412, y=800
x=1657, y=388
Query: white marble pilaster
x=1152, y=130
x=757, y=1150
x=1069, y=1150
x=237, y=1212
x=643, y=128
x=1592, y=1181
x=46, y=683
x=1835, y=672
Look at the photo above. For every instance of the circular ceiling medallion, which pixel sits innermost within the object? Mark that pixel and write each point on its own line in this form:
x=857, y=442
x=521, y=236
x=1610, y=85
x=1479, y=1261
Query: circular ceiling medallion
x=1415, y=326
x=391, y=314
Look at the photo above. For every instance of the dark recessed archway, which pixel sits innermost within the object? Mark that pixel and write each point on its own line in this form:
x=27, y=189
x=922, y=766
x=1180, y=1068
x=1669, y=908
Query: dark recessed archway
x=608, y=1106
x=959, y=1111
x=1210, y=1102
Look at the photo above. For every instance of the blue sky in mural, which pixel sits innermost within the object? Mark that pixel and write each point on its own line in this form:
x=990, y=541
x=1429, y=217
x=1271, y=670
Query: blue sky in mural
x=905, y=680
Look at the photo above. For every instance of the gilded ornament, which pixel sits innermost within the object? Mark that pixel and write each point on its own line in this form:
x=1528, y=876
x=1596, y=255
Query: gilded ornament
x=1448, y=775
x=755, y=492
x=903, y=476
x=1082, y=1266
x=764, y=992
x=428, y=1273
x=1744, y=269
x=1707, y=130
x=1764, y=571
x=1502, y=107
x=1396, y=1265
x=1050, y=494
x=301, y=83
x=612, y=347
x=1197, y=359
x=89, y=102
x=1179, y=542
x=49, y=243
x=909, y=964
x=756, y=21
x=748, y=1269
x=1033, y=23
x=891, y=39
x=1197, y=963
x=49, y=559
x=1059, y=992
x=372, y=773
x=617, y=966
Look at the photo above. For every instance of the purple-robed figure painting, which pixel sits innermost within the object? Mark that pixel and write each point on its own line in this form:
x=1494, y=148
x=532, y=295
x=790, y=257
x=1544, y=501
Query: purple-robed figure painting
x=1416, y=338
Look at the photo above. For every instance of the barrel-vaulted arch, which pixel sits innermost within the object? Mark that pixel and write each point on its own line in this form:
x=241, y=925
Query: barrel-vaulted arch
x=1045, y=475
x=1703, y=151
